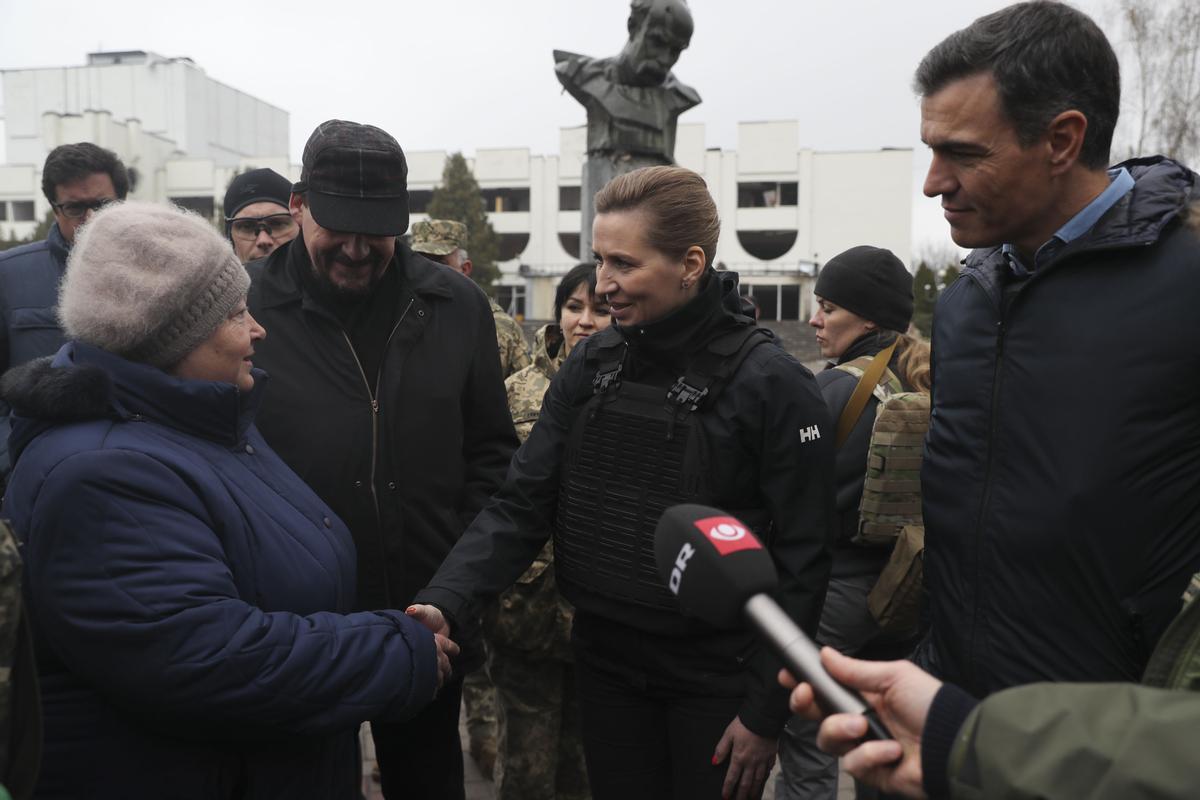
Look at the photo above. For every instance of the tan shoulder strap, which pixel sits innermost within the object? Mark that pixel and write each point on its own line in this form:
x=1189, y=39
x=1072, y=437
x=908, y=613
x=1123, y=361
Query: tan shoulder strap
x=862, y=392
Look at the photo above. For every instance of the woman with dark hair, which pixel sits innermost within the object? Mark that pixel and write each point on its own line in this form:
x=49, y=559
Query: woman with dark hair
x=864, y=307
x=578, y=314
x=539, y=752
x=683, y=399
x=187, y=591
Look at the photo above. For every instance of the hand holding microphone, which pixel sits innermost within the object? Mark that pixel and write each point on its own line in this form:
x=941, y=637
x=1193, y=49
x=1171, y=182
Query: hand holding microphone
x=721, y=574
x=902, y=692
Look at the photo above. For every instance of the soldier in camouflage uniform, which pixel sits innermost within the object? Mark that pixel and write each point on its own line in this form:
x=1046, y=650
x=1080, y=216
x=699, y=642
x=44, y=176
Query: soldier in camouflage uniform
x=445, y=241
x=540, y=753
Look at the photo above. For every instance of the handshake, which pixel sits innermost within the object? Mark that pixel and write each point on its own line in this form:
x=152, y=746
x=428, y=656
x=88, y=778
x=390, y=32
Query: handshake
x=433, y=619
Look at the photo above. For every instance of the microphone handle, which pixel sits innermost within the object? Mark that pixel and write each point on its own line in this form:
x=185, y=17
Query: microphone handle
x=803, y=660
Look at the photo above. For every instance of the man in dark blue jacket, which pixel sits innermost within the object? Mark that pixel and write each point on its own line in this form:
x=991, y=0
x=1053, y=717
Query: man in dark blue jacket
x=1062, y=468
x=77, y=179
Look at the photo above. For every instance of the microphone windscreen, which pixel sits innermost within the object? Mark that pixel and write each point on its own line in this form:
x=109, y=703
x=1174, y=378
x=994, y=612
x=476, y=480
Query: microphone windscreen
x=712, y=562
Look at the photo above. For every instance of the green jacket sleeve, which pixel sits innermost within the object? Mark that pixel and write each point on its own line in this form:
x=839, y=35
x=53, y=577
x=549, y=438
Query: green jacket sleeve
x=1098, y=741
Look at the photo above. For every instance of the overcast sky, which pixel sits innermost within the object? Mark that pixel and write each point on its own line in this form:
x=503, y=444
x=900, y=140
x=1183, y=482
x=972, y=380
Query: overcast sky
x=464, y=74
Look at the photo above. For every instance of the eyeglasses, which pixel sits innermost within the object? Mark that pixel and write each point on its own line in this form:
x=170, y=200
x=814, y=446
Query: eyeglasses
x=78, y=209
x=276, y=226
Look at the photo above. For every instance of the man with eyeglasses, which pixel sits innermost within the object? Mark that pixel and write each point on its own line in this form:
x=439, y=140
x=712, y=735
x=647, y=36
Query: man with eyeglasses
x=77, y=179
x=257, y=219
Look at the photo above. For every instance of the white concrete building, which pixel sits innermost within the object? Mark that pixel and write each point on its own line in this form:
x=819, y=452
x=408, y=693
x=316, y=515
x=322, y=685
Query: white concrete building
x=181, y=132
x=783, y=209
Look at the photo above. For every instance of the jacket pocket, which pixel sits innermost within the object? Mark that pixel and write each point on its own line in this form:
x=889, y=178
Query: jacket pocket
x=33, y=319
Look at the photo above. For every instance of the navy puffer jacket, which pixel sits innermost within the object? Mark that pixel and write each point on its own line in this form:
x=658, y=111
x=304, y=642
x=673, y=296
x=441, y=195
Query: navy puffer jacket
x=29, y=329
x=1061, y=478
x=187, y=594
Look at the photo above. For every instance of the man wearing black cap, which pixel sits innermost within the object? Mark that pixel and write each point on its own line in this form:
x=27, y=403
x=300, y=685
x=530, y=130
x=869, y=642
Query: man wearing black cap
x=385, y=396
x=257, y=219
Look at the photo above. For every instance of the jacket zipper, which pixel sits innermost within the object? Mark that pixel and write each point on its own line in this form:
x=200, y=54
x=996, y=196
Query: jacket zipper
x=372, y=392
x=993, y=429
x=985, y=500
x=993, y=426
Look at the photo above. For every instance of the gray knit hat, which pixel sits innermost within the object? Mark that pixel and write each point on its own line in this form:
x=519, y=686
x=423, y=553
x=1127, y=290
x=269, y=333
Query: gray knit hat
x=149, y=282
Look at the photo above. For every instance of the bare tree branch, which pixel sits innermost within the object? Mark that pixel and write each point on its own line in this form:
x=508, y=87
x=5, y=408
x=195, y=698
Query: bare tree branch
x=1160, y=49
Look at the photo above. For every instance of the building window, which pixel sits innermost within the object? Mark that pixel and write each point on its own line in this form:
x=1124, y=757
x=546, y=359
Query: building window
x=3, y=211
x=203, y=206
x=570, y=243
x=512, y=245
x=767, y=245
x=512, y=300
x=500, y=201
x=569, y=198
x=775, y=301
x=767, y=194
x=22, y=211
x=418, y=200
x=767, y=298
x=789, y=301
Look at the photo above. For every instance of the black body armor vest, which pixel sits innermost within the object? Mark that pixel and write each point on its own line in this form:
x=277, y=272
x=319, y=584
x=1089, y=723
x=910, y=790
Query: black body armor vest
x=635, y=450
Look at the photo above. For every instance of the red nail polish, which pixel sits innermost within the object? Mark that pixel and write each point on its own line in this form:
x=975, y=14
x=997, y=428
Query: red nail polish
x=716, y=761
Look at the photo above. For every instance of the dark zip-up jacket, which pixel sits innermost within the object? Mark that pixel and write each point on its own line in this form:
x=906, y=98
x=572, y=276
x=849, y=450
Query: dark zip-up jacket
x=771, y=449
x=29, y=278
x=1061, y=479
x=406, y=457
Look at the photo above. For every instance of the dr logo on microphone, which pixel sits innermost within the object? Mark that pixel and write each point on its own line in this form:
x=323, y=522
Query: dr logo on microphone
x=727, y=535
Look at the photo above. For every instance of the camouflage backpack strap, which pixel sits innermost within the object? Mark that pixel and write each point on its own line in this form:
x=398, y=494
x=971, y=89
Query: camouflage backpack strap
x=888, y=385
x=863, y=391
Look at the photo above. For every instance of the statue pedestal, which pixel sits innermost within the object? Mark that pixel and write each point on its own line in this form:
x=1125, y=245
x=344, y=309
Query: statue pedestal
x=598, y=170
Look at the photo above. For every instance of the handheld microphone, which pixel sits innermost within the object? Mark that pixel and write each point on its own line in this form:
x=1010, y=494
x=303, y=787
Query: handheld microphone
x=721, y=573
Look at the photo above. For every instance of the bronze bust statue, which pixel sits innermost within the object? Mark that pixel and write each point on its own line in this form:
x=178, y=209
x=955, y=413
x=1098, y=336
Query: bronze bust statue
x=633, y=100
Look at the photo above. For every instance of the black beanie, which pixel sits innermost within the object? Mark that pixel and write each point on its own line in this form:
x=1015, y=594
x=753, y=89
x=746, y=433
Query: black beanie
x=256, y=186
x=870, y=282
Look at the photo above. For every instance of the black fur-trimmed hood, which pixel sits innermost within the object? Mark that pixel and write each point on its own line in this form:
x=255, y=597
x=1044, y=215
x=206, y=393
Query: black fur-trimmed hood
x=40, y=390
x=82, y=383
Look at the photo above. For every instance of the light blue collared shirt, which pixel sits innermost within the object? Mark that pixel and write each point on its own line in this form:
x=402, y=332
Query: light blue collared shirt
x=1120, y=182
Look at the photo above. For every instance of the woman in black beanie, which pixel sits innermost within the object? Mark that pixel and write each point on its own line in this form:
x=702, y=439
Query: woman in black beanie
x=864, y=305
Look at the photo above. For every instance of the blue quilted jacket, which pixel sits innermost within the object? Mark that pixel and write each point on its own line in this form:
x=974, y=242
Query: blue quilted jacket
x=29, y=329
x=188, y=594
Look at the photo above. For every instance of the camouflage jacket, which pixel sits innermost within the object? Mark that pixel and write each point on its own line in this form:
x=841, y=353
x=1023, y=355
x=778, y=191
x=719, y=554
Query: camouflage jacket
x=514, y=352
x=528, y=386
x=1098, y=740
x=532, y=616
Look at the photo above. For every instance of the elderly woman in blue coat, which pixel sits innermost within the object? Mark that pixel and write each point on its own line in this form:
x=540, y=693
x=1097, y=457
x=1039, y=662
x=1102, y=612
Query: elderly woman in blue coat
x=188, y=592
